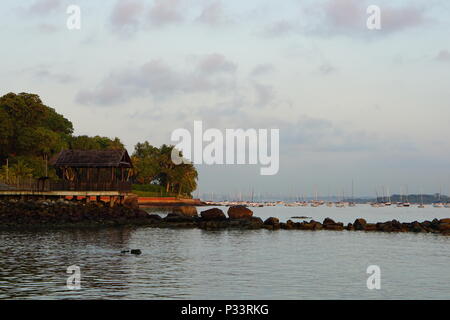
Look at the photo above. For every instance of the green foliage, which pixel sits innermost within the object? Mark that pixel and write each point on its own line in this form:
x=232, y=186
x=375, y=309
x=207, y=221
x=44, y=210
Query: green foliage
x=94, y=143
x=28, y=127
x=154, y=166
x=31, y=132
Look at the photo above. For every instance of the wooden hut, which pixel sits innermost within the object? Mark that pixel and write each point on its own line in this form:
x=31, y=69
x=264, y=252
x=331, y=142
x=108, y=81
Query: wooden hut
x=99, y=170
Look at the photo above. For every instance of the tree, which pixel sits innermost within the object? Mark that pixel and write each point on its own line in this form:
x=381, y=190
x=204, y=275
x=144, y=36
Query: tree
x=155, y=166
x=26, y=123
x=146, y=163
x=94, y=143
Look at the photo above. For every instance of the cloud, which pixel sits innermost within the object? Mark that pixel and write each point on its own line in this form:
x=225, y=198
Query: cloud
x=43, y=7
x=396, y=19
x=322, y=135
x=262, y=69
x=349, y=17
x=213, y=14
x=43, y=74
x=443, y=56
x=216, y=63
x=326, y=69
x=126, y=15
x=48, y=28
x=264, y=94
x=165, y=12
x=157, y=79
x=279, y=28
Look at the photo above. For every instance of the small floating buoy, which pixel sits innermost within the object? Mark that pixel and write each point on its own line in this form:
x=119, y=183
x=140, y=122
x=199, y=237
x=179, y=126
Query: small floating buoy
x=136, y=251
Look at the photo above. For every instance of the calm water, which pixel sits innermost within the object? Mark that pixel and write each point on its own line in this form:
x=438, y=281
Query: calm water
x=237, y=264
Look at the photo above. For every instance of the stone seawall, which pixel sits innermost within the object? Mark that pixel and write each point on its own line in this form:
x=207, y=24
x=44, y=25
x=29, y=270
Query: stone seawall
x=61, y=213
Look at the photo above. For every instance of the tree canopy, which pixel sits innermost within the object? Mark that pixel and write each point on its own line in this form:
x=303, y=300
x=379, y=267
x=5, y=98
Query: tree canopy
x=155, y=166
x=31, y=133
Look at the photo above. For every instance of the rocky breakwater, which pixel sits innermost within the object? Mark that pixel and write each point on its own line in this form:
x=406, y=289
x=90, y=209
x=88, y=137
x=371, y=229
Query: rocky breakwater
x=441, y=226
x=213, y=219
x=62, y=213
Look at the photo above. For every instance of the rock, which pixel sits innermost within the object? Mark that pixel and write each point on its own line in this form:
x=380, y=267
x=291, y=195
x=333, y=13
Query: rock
x=272, y=221
x=349, y=227
x=214, y=224
x=255, y=223
x=186, y=211
x=136, y=251
x=444, y=227
x=213, y=214
x=317, y=225
x=447, y=220
x=417, y=227
x=334, y=227
x=289, y=225
x=359, y=224
x=370, y=227
x=329, y=224
x=154, y=217
x=176, y=218
x=385, y=227
x=328, y=221
x=239, y=212
x=131, y=202
x=305, y=226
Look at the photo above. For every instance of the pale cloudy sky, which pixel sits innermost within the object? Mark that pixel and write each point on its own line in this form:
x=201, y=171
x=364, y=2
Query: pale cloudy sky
x=350, y=103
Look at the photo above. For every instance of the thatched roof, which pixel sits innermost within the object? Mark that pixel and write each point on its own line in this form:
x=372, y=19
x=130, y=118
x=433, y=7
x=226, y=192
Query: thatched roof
x=93, y=159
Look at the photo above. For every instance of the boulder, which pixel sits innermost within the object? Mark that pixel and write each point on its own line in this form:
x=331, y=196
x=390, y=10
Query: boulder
x=446, y=220
x=272, y=221
x=370, y=227
x=334, y=227
x=239, y=212
x=328, y=221
x=317, y=225
x=154, y=217
x=359, y=224
x=385, y=227
x=213, y=214
x=131, y=202
x=255, y=223
x=188, y=211
x=176, y=217
x=444, y=227
x=289, y=225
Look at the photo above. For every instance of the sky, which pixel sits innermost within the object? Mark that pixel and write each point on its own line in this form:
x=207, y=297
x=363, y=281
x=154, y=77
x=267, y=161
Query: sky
x=351, y=103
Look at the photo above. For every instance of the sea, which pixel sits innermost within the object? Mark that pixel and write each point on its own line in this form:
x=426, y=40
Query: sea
x=232, y=264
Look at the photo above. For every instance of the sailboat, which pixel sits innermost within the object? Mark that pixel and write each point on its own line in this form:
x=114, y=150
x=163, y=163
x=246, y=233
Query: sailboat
x=421, y=201
x=388, y=202
x=439, y=204
x=406, y=203
x=352, y=202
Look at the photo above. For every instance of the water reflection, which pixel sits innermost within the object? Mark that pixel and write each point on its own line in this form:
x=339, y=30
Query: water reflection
x=226, y=264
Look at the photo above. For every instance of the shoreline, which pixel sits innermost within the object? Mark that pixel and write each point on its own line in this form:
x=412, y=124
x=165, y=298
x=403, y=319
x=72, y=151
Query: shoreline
x=17, y=214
